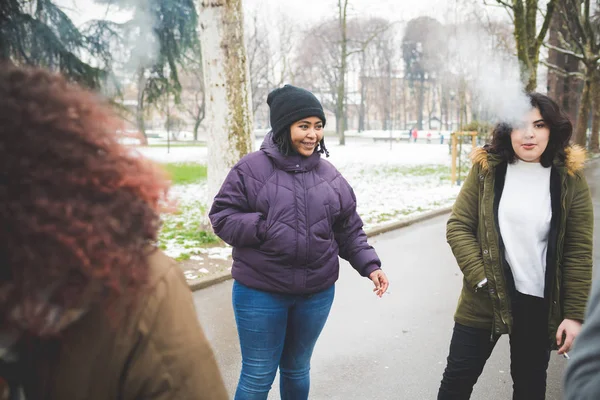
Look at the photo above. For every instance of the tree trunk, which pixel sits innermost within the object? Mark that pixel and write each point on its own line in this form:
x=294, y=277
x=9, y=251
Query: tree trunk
x=363, y=94
x=196, y=126
x=227, y=88
x=584, y=113
x=341, y=90
x=387, y=104
x=532, y=79
x=565, y=90
x=594, y=144
x=141, y=123
x=527, y=39
x=421, y=103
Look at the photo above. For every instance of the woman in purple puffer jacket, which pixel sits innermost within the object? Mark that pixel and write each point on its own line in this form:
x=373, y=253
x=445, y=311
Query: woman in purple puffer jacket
x=288, y=215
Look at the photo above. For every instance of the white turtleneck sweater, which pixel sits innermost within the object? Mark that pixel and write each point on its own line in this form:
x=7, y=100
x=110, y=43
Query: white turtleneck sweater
x=524, y=217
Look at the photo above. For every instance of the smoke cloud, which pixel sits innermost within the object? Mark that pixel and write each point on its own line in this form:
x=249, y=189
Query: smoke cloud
x=492, y=75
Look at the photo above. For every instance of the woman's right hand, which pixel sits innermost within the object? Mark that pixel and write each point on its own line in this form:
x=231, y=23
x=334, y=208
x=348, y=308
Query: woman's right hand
x=381, y=282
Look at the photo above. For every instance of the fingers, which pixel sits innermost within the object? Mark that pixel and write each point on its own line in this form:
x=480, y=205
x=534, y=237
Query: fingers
x=559, y=335
x=381, y=283
x=375, y=280
x=384, y=283
x=568, y=343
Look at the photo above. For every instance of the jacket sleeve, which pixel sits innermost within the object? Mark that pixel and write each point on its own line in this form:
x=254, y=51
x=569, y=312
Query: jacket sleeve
x=230, y=214
x=171, y=358
x=350, y=236
x=581, y=377
x=461, y=229
x=577, y=251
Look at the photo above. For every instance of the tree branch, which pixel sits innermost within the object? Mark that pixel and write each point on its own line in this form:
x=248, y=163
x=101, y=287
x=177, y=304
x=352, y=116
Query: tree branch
x=562, y=72
x=502, y=4
x=580, y=57
x=579, y=41
x=549, y=12
x=577, y=19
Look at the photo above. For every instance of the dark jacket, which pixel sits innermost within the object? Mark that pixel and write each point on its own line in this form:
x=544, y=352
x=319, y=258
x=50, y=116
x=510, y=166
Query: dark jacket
x=581, y=377
x=474, y=237
x=288, y=218
x=159, y=352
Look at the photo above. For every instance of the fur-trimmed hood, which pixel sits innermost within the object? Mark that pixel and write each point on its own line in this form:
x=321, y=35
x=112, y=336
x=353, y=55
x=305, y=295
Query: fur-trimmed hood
x=574, y=162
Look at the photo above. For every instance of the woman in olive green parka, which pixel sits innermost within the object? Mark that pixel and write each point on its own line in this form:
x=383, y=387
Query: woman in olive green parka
x=521, y=231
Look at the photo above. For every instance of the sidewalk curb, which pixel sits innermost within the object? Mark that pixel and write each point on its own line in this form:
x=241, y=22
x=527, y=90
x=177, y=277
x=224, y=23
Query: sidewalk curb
x=197, y=284
x=407, y=222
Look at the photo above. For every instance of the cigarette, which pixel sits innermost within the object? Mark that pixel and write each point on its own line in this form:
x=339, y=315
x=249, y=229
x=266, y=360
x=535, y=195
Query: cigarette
x=566, y=355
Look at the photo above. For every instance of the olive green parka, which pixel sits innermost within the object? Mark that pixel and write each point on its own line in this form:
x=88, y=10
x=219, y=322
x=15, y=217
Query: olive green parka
x=474, y=236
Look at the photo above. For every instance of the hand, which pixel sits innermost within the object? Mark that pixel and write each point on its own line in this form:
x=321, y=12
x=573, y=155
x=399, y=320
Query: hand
x=570, y=329
x=380, y=280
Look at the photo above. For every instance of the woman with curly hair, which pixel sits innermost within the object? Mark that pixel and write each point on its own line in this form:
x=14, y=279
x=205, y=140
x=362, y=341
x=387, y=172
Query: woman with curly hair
x=89, y=308
x=521, y=231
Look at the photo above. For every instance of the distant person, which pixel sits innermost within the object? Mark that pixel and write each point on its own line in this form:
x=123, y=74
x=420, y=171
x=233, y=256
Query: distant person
x=89, y=307
x=521, y=231
x=441, y=138
x=288, y=214
x=581, y=378
x=415, y=135
x=428, y=137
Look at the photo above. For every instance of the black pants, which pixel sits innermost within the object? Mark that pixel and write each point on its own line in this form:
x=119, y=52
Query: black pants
x=529, y=353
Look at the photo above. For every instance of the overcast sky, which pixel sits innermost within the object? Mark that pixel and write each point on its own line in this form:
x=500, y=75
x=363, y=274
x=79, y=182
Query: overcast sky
x=310, y=10
x=304, y=11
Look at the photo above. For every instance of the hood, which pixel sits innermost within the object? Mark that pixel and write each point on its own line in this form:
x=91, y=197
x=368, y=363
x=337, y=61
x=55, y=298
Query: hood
x=574, y=162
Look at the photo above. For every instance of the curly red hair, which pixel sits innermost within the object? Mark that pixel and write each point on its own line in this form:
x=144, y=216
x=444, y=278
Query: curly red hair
x=79, y=212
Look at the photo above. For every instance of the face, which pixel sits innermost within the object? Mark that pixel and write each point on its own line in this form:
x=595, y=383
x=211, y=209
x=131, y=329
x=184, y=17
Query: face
x=530, y=140
x=306, y=134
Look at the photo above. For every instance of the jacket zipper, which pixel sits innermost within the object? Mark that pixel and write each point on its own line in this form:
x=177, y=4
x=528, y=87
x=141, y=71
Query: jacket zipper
x=297, y=218
x=306, y=217
x=487, y=236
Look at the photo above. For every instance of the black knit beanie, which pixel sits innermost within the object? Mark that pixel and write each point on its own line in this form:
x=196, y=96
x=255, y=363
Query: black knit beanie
x=290, y=104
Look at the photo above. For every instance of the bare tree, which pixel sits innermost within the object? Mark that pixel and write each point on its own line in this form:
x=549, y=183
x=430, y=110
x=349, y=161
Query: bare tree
x=524, y=15
x=372, y=38
x=422, y=47
x=269, y=47
x=321, y=67
x=564, y=84
x=583, y=43
x=317, y=60
x=259, y=62
x=193, y=101
x=341, y=85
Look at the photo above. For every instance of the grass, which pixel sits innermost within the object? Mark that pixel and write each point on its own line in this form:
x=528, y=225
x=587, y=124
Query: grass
x=388, y=216
x=189, y=234
x=185, y=173
x=185, y=228
x=183, y=257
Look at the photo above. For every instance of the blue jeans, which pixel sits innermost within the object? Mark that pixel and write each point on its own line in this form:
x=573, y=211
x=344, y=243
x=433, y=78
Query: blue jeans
x=277, y=330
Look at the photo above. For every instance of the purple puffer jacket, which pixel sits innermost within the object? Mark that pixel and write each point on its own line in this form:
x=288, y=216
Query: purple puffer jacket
x=288, y=219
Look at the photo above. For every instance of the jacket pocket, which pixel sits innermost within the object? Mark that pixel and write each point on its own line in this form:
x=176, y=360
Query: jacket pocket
x=478, y=305
x=329, y=217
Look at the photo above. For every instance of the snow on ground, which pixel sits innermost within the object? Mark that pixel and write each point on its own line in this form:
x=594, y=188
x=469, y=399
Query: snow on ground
x=390, y=184
x=394, y=184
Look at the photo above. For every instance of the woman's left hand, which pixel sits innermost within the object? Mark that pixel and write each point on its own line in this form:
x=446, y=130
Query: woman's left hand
x=380, y=280
x=570, y=330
